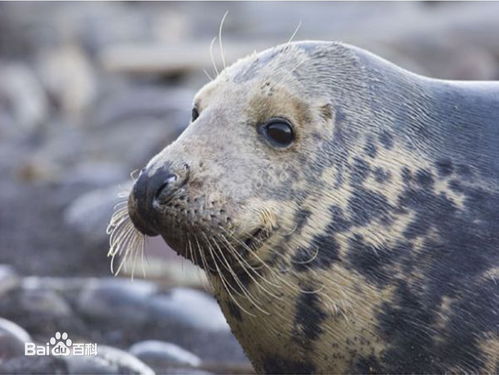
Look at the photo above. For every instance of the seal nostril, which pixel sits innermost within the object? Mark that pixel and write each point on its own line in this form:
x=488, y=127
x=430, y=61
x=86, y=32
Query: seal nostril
x=169, y=180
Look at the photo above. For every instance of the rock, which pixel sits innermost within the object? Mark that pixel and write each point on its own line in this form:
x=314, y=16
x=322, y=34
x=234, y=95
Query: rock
x=95, y=174
x=160, y=354
x=35, y=365
x=66, y=287
x=109, y=361
x=190, y=308
x=22, y=98
x=137, y=102
x=90, y=213
x=118, y=300
x=12, y=339
x=45, y=302
x=69, y=77
x=170, y=59
x=9, y=279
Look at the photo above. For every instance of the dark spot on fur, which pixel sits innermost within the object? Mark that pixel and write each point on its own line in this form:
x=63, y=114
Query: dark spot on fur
x=274, y=364
x=338, y=221
x=381, y=176
x=340, y=116
x=429, y=207
x=373, y=262
x=444, y=167
x=234, y=310
x=386, y=140
x=424, y=178
x=406, y=175
x=301, y=218
x=308, y=319
x=326, y=112
x=360, y=171
x=321, y=254
x=402, y=323
x=455, y=185
x=464, y=171
x=366, y=205
x=370, y=149
x=244, y=278
x=451, y=263
x=367, y=365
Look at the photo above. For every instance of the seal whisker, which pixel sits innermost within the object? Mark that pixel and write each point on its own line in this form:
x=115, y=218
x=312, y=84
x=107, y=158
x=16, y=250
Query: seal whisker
x=120, y=206
x=207, y=74
x=244, y=290
x=125, y=246
x=275, y=274
x=312, y=258
x=294, y=33
x=225, y=284
x=116, y=239
x=189, y=245
x=236, y=277
x=142, y=255
x=220, y=38
x=203, y=257
x=212, y=56
x=257, y=283
x=263, y=263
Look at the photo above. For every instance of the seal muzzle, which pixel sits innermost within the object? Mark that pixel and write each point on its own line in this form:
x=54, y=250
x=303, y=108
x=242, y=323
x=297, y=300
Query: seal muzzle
x=148, y=194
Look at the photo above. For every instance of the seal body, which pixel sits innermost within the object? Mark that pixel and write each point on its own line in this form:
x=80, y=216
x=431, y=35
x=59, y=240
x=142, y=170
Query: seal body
x=370, y=243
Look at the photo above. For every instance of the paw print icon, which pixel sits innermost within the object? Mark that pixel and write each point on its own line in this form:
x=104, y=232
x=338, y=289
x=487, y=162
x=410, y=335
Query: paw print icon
x=61, y=344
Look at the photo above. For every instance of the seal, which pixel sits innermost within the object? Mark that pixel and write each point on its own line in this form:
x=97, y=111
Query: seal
x=345, y=210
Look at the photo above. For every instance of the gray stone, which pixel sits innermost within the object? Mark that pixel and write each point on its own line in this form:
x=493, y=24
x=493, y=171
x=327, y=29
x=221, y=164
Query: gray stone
x=160, y=354
x=41, y=301
x=68, y=75
x=34, y=365
x=116, y=299
x=23, y=97
x=12, y=339
x=139, y=102
x=108, y=360
x=9, y=279
x=90, y=213
x=189, y=307
x=95, y=174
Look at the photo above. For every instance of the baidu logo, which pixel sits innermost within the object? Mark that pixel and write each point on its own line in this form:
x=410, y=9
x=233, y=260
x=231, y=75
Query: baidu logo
x=60, y=345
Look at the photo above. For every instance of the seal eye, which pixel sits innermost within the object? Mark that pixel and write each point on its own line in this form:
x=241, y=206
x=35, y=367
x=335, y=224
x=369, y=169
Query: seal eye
x=195, y=114
x=278, y=132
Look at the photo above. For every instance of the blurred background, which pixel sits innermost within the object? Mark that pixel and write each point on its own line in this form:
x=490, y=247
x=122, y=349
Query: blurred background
x=88, y=93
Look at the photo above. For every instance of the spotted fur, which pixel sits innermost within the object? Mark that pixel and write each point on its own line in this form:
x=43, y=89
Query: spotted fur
x=383, y=253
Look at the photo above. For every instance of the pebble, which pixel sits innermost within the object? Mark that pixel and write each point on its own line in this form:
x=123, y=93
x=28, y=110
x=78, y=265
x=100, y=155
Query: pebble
x=34, y=365
x=90, y=213
x=12, y=339
x=23, y=97
x=9, y=279
x=189, y=307
x=46, y=302
x=160, y=354
x=116, y=299
x=108, y=360
x=69, y=77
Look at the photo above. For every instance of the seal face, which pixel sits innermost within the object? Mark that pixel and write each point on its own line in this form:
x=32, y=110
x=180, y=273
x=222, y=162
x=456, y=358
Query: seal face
x=345, y=210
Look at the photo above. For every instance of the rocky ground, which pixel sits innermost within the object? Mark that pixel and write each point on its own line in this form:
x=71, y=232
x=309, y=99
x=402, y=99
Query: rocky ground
x=88, y=93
